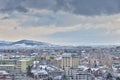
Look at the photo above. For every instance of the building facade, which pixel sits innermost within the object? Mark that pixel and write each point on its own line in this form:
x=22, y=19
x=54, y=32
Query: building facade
x=23, y=64
x=7, y=64
x=69, y=60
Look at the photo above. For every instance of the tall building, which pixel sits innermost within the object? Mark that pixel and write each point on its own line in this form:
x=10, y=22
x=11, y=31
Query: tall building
x=15, y=64
x=23, y=64
x=70, y=60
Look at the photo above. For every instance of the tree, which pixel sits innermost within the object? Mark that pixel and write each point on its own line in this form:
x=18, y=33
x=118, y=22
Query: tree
x=29, y=71
x=64, y=77
x=118, y=78
x=109, y=76
x=50, y=78
x=89, y=70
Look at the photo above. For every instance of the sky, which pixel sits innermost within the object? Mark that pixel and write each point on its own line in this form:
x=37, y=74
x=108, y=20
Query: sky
x=63, y=22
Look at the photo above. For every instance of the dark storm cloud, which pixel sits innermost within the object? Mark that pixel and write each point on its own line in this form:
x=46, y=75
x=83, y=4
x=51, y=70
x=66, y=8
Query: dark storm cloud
x=84, y=7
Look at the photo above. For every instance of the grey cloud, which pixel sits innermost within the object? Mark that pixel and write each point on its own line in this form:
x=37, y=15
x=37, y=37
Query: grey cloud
x=40, y=4
x=90, y=7
x=12, y=5
x=17, y=8
x=83, y=7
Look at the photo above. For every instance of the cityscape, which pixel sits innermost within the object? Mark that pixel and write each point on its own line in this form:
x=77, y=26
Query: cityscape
x=33, y=60
x=59, y=39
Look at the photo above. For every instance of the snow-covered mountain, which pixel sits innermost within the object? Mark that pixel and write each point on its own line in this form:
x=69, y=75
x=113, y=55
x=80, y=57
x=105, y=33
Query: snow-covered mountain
x=5, y=43
x=24, y=43
x=29, y=42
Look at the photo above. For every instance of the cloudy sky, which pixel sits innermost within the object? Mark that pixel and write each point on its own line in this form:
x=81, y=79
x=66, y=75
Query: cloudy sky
x=65, y=22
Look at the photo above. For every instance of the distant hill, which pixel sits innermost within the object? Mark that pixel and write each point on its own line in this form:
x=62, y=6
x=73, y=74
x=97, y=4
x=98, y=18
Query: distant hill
x=29, y=42
x=24, y=43
x=5, y=43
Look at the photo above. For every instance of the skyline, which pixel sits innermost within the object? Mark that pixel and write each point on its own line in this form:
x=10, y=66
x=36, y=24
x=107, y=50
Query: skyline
x=64, y=22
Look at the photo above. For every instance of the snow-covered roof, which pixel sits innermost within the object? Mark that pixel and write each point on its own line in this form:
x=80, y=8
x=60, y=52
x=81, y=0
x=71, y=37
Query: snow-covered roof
x=68, y=54
x=58, y=58
x=103, y=66
x=116, y=74
x=36, y=72
x=43, y=66
x=83, y=67
x=50, y=68
x=58, y=77
x=3, y=72
x=95, y=69
x=36, y=62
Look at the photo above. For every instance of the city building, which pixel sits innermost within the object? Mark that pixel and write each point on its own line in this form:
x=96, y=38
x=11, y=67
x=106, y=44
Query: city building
x=46, y=72
x=7, y=64
x=4, y=75
x=23, y=64
x=70, y=60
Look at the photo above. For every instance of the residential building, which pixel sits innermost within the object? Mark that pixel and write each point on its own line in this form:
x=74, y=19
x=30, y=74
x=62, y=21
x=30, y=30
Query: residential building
x=22, y=64
x=7, y=64
x=70, y=60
